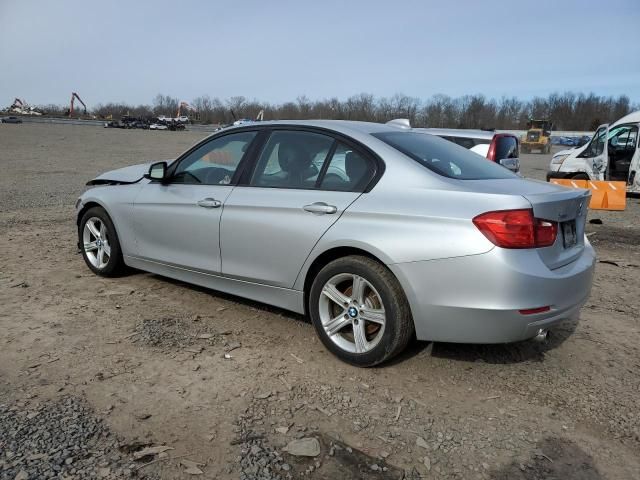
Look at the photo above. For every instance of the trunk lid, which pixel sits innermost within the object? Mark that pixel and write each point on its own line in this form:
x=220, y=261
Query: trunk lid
x=566, y=206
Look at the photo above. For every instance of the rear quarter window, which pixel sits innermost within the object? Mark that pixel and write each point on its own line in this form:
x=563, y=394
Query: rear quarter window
x=443, y=157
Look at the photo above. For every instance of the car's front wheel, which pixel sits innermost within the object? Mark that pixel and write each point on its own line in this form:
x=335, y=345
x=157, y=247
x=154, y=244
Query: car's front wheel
x=580, y=176
x=360, y=311
x=99, y=241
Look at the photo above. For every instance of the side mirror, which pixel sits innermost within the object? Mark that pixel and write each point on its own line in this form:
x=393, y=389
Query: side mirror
x=512, y=164
x=158, y=171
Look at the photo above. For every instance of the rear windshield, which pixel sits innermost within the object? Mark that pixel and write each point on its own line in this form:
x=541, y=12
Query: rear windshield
x=443, y=157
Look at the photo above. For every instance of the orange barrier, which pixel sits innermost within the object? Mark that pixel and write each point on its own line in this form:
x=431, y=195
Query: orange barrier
x=604, y=195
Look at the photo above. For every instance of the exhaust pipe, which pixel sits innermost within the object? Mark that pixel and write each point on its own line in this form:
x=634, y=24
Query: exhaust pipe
x=542, y=335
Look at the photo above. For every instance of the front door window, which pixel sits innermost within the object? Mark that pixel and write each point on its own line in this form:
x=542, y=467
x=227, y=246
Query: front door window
x=215, y=162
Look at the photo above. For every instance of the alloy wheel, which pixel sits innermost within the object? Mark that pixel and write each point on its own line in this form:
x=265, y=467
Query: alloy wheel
x=352, y=313
x=95, y=238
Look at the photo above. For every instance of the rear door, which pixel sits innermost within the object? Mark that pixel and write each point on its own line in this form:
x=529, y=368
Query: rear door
x=300, y=185
x=595, y=155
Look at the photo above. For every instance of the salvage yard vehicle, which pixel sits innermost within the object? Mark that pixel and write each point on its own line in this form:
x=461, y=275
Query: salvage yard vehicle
x=619, y=161
x=538, y=136
x=501, y=148
x=378, y=233
x=11, y=120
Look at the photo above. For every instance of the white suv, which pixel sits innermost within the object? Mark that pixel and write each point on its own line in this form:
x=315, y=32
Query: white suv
x=502, y=148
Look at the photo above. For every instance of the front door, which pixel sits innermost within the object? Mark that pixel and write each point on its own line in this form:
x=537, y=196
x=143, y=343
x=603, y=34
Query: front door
x=301, y=184
x=595, y=155
x=178, y=222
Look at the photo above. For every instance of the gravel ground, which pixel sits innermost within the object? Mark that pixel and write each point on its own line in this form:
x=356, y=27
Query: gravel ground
x=112, y=366
x=59, y=439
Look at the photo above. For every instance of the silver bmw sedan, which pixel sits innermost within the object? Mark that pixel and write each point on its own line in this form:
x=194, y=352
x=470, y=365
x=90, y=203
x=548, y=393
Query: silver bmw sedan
x=378, y=233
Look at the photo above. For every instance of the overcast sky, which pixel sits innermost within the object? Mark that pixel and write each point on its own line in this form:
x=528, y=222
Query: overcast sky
x=277, y=50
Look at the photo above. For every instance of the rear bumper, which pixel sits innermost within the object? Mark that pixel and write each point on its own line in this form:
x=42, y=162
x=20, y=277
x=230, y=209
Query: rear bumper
x=476, y=299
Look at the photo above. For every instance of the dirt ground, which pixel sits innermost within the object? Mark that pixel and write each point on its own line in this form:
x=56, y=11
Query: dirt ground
x=227, y=383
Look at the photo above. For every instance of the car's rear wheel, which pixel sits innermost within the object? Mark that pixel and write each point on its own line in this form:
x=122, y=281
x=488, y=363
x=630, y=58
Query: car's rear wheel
x=99, y=241
x=360, y=311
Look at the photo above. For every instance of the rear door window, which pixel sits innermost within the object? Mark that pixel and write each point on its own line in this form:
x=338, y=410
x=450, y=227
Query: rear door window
x=443, y=157
x=292, y=159
x=348, y=171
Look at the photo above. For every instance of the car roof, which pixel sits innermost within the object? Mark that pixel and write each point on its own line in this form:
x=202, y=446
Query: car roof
x=458, y=132
x=342, y=126
x=633, y=117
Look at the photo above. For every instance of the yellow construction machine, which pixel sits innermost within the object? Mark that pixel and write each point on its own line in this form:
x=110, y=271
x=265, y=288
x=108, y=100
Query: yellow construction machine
x=538, y=137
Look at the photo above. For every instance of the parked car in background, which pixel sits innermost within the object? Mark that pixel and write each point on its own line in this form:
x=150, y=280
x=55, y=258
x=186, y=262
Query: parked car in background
x=583, y=140
x=613, y=153
x=502, y=148
x=11, y=120
x=158, y=126
x=376, y=232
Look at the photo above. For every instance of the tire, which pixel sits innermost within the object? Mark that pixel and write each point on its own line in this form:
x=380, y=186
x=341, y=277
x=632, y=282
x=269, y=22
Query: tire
x=100, y=245
x=580, y=176
x=385, y=334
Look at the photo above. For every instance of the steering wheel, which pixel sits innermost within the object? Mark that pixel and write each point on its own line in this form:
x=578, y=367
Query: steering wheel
x=185, y=173
x=215, y=175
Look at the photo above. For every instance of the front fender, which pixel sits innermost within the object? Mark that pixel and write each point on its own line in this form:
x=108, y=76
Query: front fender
x=117, y=201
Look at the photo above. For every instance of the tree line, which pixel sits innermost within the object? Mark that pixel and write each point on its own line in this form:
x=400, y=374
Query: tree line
x=568, y=111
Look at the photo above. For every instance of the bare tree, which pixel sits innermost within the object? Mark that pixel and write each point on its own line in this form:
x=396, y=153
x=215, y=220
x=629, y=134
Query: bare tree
x=568, y=110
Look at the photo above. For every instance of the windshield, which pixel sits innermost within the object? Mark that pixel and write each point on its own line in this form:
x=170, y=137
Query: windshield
x=443, y=157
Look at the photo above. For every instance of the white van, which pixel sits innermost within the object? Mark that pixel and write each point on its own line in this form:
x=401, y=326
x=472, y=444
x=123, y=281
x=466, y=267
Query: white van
x=619, y=161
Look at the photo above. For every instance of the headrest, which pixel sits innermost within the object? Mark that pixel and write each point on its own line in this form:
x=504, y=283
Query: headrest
x=293, y=157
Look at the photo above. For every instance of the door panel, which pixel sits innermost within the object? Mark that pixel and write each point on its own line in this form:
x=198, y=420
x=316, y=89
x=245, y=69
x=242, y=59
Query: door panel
x=179, y=224
x=621, y=147
x=266, y=233
x=596, y=155
x=634, y=170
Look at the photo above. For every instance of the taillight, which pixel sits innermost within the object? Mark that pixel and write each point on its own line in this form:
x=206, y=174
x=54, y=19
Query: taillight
x=545, y=232
x=516, y=229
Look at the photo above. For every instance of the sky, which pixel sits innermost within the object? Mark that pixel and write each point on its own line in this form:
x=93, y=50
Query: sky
x=274, y=51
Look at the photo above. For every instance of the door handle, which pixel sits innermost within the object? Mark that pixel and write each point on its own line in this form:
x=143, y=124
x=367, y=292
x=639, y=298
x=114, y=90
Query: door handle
x=320, y=208
x=209, y=203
